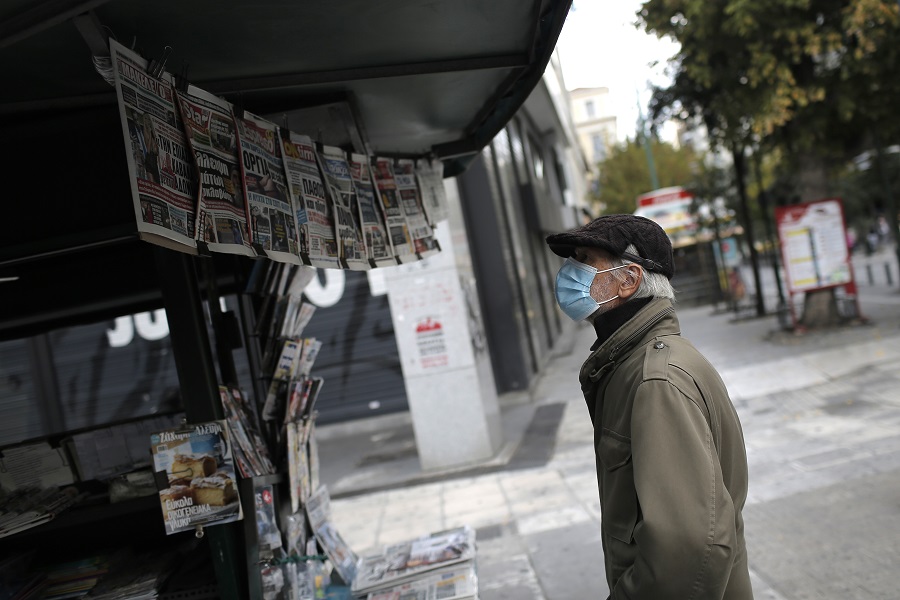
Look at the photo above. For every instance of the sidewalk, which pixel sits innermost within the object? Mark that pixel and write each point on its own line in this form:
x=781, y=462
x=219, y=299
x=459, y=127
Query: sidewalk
x=822, y=427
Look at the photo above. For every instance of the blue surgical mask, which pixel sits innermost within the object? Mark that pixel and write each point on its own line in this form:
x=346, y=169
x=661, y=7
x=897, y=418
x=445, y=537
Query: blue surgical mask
x=573, y=289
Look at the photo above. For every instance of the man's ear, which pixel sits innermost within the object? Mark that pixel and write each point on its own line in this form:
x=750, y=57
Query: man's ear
x=632, y=281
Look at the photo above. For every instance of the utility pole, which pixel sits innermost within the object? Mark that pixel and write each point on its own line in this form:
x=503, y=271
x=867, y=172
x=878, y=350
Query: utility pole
x=645, y=137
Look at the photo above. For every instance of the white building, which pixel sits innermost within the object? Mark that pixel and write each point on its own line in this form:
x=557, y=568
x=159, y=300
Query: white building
x=594, y=122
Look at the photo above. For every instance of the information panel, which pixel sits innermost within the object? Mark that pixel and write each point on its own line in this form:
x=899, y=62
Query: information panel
x=814, y=245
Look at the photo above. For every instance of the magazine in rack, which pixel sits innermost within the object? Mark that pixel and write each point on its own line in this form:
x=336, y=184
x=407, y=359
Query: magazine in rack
x=318, y=511
x=194, y=472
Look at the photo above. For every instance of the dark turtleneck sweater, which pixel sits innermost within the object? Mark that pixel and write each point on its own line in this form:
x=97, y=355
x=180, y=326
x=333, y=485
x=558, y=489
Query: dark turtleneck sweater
x=607, y=323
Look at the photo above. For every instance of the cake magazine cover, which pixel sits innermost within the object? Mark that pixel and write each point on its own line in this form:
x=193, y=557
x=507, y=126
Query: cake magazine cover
x=194, y=471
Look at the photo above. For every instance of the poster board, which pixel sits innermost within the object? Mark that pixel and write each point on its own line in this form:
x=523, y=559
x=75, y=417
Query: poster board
x=814, y=245
x=814, y=250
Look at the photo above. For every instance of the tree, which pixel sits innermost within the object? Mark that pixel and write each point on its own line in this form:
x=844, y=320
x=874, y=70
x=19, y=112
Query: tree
x=814, y=78
x=624, y=174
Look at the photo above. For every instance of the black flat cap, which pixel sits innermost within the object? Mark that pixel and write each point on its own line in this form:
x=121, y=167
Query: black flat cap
x=614, y=233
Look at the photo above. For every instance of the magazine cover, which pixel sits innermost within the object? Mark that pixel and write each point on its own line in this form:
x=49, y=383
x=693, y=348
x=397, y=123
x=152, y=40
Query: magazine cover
x=312, y=207
x=268, y=536
x=456, y=583
x=401, y=562
x=250, y=451
x=394, y=217
x=336, y=172
x=411, y=200
x=298, y=463
x=163, y=182
x=221, y=206
x=272, y=224
x=194, y=472
x=318, y=511
x=378, y=248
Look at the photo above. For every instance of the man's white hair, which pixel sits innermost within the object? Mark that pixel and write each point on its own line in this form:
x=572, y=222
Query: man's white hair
x=653, y=285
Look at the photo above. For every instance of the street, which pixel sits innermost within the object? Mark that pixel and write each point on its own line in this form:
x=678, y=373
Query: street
x=821, y=418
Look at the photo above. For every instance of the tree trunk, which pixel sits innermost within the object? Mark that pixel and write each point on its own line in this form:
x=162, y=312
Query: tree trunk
x=737, y=152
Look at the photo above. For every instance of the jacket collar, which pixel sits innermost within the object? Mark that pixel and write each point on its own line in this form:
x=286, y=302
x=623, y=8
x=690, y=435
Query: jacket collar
x=629, y=336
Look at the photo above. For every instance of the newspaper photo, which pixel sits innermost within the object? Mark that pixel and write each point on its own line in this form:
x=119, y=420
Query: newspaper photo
x=221, y=221
x=430, y=174
x=398, y=230
x=402, y=562
x=371, y=219
x=163, y=180
x=411, y=200
x=336, y=173
x=273, y=228
x=456, y=583
x=312, y=209
x=318, y=511
x=194, y=471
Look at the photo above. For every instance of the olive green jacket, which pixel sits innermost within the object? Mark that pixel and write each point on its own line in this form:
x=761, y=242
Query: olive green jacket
x=671, y=465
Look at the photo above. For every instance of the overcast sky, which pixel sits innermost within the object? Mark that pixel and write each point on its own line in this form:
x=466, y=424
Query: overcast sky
x=600, y=47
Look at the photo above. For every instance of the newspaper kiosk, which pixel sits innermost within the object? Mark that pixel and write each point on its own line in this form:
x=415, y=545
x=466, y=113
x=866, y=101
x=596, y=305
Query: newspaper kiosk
x=405, y=81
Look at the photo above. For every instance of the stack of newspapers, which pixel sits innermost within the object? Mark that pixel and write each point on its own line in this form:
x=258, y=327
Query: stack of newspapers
x=436, y=566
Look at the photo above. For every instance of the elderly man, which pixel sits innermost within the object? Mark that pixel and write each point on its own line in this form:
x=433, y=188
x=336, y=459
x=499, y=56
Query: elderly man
x=671, y=463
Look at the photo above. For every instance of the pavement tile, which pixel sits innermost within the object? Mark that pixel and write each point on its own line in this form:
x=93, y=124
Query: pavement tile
x=556, y=518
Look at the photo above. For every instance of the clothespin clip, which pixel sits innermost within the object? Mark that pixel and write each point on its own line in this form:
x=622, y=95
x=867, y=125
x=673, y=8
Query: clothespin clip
x=181, y=80
x=156, y=67
x=199, y=532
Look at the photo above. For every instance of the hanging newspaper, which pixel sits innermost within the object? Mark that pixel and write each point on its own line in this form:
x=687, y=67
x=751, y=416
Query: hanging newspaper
x=318, y=511
x=336, y=173
x=378, y=249
x=409, y=560
x=398, y=230
x=273, y=229
x=221, y=209
x=159, y=164
x=430, y=174
x=194, y=472
x=312, y=211
x=411, y=200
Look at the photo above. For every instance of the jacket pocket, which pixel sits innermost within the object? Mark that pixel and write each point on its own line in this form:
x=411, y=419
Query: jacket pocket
x=619, y=506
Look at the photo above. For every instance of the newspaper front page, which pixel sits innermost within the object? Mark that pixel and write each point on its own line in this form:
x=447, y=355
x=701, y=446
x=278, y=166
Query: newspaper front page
x=336, y=172
x=273, y=226
x=430, y=174
x=221, y=221
x=161, y=169
x=318, y=246
x=411, y=200
x=398, y=229
x=378, y=248
x=456, y=583
x=402, y=562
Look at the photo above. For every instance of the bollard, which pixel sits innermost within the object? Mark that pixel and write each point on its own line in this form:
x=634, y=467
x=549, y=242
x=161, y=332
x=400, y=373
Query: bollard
x=869, y=274
x=887, y=272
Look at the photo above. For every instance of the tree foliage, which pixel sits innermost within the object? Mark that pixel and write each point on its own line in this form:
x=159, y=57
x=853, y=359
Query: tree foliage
x=625, y=174
x=810, y=76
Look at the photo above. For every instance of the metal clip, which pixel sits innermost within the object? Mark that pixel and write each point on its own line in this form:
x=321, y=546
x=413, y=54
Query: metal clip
x=156, y=67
